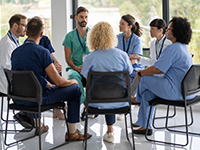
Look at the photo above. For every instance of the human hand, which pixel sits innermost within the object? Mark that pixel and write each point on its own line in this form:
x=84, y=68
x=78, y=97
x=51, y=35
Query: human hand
x=73, y=81
x=58, y=67
x=49, y=84
x=134, y=56
x=78, y=69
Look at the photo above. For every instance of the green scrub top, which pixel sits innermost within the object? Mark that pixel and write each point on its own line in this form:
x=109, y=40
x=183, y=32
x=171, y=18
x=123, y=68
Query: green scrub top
x=72, y=41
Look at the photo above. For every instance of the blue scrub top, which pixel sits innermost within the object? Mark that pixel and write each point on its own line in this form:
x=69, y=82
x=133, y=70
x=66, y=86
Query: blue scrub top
x=174, y=62
x=31, y=56
x=105, y=61
x=135, y=47
x=46, y=43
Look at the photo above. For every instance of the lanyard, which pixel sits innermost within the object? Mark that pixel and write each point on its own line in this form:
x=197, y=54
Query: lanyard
x=83, y=46
x=157, y=56
x=30, y=41
x=128, y=43
x=11, y=37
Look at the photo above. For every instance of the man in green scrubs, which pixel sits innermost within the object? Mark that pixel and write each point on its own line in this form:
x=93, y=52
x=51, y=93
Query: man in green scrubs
x=76, y=49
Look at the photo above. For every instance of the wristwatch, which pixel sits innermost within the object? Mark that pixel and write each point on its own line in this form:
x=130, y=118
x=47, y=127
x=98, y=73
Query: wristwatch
x=139, y=73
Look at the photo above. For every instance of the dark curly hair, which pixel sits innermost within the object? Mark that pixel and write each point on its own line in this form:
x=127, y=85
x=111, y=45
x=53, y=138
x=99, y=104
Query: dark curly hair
x=181, y=29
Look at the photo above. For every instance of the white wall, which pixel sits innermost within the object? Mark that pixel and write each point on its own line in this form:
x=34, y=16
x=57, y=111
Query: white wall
x=61, y=24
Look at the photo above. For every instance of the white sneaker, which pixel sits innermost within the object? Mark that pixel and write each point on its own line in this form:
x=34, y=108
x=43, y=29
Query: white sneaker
x=108, y=137
x=91, y=116
x=120, y=117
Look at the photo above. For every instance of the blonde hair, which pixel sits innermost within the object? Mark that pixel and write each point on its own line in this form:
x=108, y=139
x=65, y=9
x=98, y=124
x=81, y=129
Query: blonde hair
x=101, y=37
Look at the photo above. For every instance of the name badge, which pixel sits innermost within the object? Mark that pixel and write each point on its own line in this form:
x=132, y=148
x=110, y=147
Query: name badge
x=83, y=57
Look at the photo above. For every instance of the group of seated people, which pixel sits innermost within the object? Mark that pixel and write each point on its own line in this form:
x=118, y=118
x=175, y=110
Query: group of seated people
x=169, y=61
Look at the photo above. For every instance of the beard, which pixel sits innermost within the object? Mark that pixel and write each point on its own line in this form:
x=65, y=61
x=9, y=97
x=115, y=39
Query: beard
x=20, y=32
x=82, y=24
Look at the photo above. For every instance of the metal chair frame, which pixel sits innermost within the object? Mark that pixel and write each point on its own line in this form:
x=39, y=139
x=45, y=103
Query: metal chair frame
x=19, y=92
x=190, y=85
x=96, y=111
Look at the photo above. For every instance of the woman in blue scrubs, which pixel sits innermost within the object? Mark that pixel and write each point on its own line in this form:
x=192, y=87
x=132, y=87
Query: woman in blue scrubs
x=129, y=40
x=105, y=58
x=173, y=63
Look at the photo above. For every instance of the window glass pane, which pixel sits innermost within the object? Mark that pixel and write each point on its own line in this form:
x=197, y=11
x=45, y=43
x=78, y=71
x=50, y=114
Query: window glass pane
x=190, y=10
x=28, y=8
x=112, y=10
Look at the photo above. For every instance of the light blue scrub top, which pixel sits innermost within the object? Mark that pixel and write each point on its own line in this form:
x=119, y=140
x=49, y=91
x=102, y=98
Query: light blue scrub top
x=174, y=62
x=104, y=61
x=134, y=47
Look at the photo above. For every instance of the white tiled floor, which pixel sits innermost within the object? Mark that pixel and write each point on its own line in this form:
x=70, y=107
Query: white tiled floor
x=97, y=128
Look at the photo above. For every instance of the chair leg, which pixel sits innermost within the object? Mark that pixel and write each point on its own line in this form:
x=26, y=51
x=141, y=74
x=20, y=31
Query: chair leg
x=182, y=125
x=131, y=122
x=192, y=120
x=40, y=147
x=85, y=131
x=163, y=142
x=162, y=117
x=6, y=127
x=154, y=118
x=64, y=112
x=2, y=112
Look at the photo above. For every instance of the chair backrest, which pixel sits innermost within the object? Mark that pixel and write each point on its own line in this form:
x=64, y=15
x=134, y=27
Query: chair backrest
x=23, y=85
x=105, y=87
x=191, y=82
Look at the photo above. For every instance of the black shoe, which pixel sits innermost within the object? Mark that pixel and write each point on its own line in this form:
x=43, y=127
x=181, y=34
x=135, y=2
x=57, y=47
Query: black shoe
x=83, y=115
x=96, y=116
x=149, y=131
x=133, y=103
x=24, y=120
x=135, y=125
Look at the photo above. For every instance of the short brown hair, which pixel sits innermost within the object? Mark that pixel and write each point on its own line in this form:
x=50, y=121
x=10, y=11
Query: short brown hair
x=34, y=27
x=81, y=9
x=16, y=19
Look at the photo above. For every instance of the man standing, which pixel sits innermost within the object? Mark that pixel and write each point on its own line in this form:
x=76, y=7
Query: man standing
x=8, y=43
x=31, y=56
x=76, y=49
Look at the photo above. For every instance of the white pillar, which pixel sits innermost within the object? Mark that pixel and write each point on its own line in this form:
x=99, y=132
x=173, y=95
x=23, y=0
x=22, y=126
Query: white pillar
x=61, y=24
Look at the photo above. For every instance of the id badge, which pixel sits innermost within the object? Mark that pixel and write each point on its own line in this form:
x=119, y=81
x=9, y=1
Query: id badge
x=83, y=57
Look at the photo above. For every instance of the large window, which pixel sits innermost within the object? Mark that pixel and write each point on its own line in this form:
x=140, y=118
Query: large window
x=144, y=11
x=112, y=10
x=29, y=8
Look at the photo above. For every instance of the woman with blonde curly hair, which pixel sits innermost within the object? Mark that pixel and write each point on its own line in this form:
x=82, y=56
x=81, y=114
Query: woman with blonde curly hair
x=105, y=57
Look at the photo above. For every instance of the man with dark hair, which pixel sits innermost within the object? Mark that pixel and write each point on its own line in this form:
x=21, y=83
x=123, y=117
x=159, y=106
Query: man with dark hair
x=31, y=56
x=173, y=63
x=8, y=43
x=76, y=49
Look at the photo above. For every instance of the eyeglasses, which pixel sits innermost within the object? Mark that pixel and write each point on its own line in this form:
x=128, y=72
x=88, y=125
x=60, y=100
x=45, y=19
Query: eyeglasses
x=22, y=24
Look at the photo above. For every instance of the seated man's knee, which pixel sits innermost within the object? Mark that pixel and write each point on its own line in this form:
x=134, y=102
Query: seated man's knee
x=74, y=75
